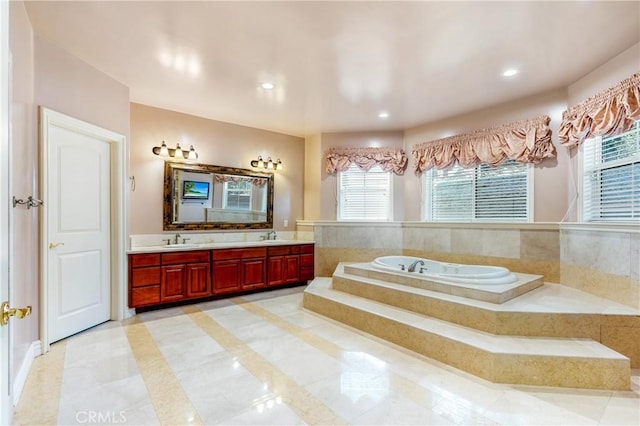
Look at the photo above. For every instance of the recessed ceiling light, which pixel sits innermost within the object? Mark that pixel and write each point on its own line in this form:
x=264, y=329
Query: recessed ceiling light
x=510, y=72
x=383, y=115
x=267, y=86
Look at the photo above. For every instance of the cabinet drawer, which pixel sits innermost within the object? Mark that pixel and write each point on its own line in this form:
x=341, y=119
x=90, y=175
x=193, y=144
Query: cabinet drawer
x=247, y=253
x=145, y=276
x=142, y=296
x=283, y=250
x=306, y=248
x=185, y=257
x=136, y=260
x=306, y=259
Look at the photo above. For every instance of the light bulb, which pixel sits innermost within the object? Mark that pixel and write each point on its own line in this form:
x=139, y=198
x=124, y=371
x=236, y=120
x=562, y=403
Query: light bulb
x=164, y=151
x=269, y=163
x=279, y=165
x=178, y=152
x=192, y=153
x=260, y=162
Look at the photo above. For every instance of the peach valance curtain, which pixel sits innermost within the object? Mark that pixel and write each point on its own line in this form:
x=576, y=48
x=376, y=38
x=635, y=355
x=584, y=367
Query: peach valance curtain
x=609, y=112
x=525, y=141
x=390, y=159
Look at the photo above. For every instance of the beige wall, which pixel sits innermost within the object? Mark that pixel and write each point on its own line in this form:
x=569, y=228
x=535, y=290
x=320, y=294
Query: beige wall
x=328, y=207
x=43, y=74
x=312, y=177
x=68, y=85
x=550, y=177
x=217, y=143
x=24, y=160
x=610, y=73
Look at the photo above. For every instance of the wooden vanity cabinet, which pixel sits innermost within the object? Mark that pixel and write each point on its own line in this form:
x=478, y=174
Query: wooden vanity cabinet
x=235, y=270
x=158, y=278
x=307, y=262
x=168, y=277
x=290, y=264
x=185, y=275
x=284, y=265
x=144, y=279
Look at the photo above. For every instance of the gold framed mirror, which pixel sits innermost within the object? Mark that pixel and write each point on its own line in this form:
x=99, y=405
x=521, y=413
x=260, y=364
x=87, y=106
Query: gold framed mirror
x=205, y=197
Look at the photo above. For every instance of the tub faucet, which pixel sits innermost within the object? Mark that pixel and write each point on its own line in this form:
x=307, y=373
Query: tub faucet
x=412, y=267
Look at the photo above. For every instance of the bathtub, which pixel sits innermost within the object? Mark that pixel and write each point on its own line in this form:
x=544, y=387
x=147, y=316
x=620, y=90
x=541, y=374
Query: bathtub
x=447, y=272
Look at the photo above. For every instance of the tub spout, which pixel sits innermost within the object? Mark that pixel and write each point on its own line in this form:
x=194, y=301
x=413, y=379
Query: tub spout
x=412, y=267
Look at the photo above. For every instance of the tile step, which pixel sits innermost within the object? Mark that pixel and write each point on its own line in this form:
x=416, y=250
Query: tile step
x=564, y=362
x=551, y=310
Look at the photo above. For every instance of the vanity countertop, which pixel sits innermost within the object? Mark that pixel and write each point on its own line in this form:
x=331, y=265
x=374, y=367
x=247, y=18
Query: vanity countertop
x=211, y=246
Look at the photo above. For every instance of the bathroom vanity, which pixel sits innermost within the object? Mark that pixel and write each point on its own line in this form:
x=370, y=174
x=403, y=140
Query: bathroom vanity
x=158, y=275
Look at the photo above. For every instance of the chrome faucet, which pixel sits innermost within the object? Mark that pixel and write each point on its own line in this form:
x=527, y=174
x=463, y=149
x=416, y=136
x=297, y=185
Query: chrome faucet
x=274, y=235
x=412, y=267
x=177, y=238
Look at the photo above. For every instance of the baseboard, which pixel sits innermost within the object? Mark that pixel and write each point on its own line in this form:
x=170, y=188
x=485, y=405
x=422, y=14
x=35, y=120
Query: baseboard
x=35, y=349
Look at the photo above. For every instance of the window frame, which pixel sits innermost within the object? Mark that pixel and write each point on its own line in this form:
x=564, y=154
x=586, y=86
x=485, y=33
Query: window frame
x=581, y=170
x=225, y=199
x=339, y=209
x=426, y=203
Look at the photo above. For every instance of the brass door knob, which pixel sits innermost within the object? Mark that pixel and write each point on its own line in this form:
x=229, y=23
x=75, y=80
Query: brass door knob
x=12, y=312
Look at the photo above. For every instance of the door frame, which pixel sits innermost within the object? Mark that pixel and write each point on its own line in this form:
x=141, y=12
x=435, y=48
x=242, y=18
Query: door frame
x=50, y=118
x=6, y=399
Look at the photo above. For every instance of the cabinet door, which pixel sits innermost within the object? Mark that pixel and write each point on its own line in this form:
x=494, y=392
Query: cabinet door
x=198, y=280
x=173, y=283
x=227, y=276
x=254, y=273
x=291, y=268
x=276, y=275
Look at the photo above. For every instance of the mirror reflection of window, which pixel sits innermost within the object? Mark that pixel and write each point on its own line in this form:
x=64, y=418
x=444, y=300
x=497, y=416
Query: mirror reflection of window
x=237, y=195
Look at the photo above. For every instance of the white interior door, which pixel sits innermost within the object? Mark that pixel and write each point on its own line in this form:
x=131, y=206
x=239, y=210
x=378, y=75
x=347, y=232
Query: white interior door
x=78, y=230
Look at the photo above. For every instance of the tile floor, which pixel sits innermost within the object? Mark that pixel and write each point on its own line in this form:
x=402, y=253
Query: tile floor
x=261, y=359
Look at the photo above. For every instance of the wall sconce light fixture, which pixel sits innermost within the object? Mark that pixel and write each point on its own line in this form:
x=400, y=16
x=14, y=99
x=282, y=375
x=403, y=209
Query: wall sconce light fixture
x=269, y=164
x=177, y=153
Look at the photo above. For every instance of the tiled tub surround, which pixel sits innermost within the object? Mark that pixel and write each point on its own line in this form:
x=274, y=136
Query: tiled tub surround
x=551, y=336
x=549, y=311
x=488, y=293
x=527, y=248
x=600, y=260
x=603, y=260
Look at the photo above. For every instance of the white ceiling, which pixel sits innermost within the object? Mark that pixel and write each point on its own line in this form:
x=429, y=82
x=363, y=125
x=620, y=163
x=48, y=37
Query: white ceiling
x=336, y=65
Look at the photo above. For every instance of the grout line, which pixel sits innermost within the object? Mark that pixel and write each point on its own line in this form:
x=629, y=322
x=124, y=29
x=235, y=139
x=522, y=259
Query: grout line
x=42, y=389
x=171, y=403
x=301, y=401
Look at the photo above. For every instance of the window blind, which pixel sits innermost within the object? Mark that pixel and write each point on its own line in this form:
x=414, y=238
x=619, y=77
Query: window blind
x=482, y=193
x=611, y=177
x=364, y=195
x=237, y=195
